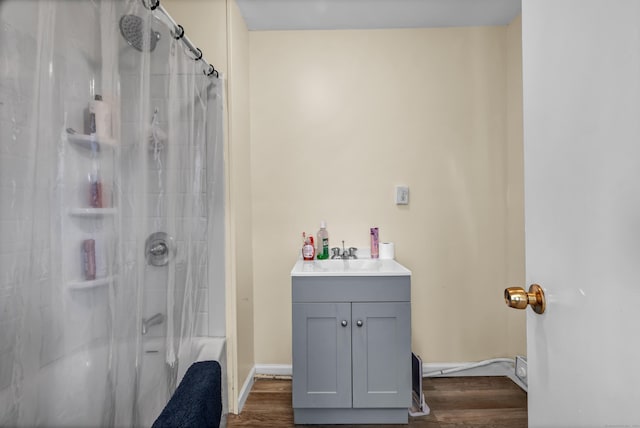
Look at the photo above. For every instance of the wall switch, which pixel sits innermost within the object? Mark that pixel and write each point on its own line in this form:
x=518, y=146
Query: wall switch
x=402, y=195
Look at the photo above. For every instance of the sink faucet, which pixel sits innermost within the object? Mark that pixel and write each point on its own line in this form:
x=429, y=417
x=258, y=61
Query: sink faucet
x=346, y=253
x=154, y=320
x=335, y=253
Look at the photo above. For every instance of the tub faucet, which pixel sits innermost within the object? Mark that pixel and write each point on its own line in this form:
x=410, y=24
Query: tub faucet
x=154, y=320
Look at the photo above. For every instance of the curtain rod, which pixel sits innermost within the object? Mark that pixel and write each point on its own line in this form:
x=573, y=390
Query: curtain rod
x=179, y=33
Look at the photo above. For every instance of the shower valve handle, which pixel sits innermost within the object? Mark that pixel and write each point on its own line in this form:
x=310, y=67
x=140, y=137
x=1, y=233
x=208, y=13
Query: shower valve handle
x=159, y=249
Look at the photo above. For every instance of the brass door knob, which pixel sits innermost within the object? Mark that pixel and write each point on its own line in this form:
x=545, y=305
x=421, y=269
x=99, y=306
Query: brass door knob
x=518, y=298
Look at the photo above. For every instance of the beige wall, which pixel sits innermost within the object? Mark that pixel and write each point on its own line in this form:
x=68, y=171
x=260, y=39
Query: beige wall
x=216, y=27
x=239, y=162
x=516, y=325
x=338, y=118
x=205, y=24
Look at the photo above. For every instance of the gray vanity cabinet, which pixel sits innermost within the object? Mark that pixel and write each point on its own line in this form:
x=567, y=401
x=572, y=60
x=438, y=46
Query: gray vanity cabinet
x=322, y=354
x=381, y=354
x=351, y=349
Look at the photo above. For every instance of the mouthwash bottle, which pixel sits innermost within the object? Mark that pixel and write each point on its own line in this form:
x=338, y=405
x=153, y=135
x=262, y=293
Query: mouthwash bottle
x=323, y=242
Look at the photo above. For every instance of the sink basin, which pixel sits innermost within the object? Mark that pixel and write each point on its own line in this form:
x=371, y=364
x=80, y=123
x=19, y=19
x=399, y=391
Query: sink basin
x=351, y=267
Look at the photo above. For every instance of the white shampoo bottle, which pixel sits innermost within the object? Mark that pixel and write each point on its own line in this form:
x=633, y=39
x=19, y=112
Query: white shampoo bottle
x=99, y=117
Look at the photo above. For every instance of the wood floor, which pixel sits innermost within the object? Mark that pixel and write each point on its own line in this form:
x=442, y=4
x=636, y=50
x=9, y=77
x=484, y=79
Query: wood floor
x=455, y=402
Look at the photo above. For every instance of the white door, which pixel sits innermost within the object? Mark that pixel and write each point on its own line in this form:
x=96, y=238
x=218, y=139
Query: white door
x=581, y=79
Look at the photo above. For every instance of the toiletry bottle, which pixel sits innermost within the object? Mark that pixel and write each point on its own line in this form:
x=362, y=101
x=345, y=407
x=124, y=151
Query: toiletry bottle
x=308, y=250
x=323, y=242
x=89, y=259
x=95, y=191
x=374, y=243
x=99, y=117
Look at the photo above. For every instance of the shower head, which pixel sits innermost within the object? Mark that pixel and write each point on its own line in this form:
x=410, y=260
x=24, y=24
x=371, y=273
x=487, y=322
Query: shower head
x=131, y=27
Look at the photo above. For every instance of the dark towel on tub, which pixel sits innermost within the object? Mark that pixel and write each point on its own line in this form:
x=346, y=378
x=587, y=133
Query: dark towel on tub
x=197, y=401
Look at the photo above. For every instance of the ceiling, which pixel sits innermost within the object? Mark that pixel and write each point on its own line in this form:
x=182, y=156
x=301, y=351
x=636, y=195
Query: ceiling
x=373, y=14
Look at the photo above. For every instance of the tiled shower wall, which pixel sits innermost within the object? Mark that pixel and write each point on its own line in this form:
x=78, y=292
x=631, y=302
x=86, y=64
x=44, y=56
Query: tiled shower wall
x=208, y=222
x=158, y=201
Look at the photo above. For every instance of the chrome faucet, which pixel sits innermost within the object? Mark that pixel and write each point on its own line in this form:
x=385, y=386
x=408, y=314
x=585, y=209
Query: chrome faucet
x=346, y=254
x=335, y=253
x=154, y=320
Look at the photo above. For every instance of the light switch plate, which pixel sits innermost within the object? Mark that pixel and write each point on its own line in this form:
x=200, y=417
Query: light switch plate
x=402, y=195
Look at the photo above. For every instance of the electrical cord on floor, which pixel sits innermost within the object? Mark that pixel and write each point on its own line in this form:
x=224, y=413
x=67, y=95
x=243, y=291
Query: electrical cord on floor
x=468, y=367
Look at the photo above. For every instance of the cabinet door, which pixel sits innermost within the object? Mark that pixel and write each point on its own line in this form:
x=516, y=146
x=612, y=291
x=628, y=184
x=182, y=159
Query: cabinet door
x=381, y=335
x=321, y=355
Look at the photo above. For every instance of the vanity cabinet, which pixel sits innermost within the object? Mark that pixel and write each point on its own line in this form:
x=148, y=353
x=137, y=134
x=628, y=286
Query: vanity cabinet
x=351, y=349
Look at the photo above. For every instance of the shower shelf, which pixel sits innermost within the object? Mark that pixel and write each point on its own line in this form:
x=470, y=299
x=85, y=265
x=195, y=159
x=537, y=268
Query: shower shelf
x=84, y=285
x=91, y=142
x=92, y=212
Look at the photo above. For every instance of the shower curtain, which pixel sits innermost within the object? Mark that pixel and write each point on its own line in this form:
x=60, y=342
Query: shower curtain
x=107, y=128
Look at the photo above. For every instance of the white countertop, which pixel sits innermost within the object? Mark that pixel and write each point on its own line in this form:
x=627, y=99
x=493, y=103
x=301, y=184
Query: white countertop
x=351, y=267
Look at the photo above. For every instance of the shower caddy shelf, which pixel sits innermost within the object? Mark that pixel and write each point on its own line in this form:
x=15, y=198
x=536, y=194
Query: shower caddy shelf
x=94, y=283
x=91, y=142
x=91, y=212
x=96, y=145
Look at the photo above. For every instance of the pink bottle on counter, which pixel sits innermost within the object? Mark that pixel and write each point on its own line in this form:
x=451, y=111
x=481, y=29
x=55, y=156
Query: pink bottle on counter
x=374, y=243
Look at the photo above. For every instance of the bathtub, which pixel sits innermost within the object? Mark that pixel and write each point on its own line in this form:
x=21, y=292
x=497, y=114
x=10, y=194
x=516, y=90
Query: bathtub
x=154, y=374
x=70, y=391
x=74, y=390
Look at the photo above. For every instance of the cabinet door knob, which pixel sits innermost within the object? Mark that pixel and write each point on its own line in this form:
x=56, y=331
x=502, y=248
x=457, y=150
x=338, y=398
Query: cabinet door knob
x=359, y=323
x=344, y=323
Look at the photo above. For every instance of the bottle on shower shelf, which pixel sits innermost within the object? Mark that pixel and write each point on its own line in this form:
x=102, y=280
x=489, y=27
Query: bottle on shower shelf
x=99, y=117
x=88, y=251
x=95, y=190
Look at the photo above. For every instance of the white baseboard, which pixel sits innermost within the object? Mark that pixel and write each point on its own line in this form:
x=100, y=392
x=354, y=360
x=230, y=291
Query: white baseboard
x=502, y=368
x=495, y=369
x=246, y=388
x=284, y=370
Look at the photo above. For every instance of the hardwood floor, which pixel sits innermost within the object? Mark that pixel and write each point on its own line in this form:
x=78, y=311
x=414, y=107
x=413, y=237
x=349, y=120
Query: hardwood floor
x=455, y=402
